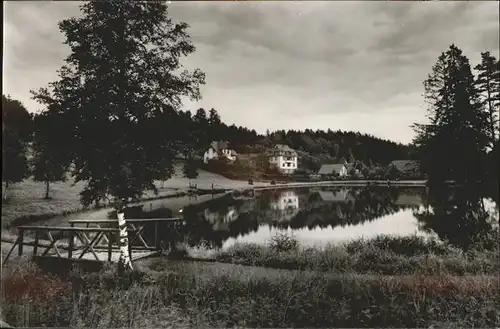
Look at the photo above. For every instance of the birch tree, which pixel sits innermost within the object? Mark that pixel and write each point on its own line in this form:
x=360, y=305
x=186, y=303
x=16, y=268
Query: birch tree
x=122, y=73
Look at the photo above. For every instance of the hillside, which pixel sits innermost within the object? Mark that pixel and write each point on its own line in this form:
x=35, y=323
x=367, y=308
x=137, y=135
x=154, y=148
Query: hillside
x=319, y=147
x=315, y=147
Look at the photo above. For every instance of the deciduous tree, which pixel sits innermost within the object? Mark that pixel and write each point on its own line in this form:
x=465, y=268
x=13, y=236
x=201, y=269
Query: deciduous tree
x=50, y=162
x=122, y=72
x=17, y=118
x=16, y=134
x=190, y=169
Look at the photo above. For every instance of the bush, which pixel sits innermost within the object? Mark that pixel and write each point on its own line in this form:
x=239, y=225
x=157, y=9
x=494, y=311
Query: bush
x=283, y=242
x=382, y=255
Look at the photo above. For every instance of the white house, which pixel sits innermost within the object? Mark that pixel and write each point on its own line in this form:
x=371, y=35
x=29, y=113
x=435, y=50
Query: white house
x=337, y=169
x=284, y=158
x=219, y=149
x=220, y=221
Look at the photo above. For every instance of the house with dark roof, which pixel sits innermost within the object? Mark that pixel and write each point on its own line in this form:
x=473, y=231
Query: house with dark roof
x=217, y=150
x=335, y=196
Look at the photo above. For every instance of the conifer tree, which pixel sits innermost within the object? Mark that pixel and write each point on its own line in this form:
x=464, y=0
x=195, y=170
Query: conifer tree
x=488, y=84
x=453, y=145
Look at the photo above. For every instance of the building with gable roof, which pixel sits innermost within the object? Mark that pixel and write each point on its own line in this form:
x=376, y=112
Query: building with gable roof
x=219, y=149
x=284, y=158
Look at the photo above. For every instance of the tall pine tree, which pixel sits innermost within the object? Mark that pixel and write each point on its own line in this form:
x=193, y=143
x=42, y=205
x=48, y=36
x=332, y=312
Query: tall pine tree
x=488, y=84
x=122, y=72
x=215, y=125
x=453, y=145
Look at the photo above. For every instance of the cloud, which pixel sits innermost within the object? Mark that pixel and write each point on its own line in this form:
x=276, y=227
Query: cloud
x=283, y=65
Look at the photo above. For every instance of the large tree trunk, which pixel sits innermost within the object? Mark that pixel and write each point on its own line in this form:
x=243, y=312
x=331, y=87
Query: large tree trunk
x=124, y=262
x=47, y=189
x=4, y=196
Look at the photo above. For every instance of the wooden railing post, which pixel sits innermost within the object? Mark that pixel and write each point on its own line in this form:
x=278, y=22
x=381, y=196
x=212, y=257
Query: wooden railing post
x=110, y=246
x=129, y=245
x=35, y=248
x=71, y=243
x=156, y=234
x=21, y=240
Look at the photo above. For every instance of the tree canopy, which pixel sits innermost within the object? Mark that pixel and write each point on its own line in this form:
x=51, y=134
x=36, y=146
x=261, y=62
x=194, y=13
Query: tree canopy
x=48, y=163
x=16, y=134
x=122, y=75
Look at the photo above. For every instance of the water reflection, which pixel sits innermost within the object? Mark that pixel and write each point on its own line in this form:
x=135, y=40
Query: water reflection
x=459, y=215
x=329, y=215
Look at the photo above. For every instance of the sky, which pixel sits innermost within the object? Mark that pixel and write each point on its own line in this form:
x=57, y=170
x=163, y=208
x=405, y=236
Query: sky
x=355, y=66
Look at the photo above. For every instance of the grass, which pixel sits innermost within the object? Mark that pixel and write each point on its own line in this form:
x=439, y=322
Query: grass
x=186, y=297
x=383, y=255
x=26, y=201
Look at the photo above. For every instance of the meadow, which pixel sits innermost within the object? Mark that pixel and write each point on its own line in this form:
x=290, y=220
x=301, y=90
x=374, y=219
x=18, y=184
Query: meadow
x=455, y=289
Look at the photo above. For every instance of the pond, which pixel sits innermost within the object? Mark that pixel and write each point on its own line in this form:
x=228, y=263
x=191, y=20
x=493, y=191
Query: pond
x=320, y=216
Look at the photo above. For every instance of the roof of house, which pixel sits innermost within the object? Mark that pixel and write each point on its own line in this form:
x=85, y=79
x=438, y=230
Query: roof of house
x=403, y=165
x=349, y=166
x=219, y=145
x=328, y=169
x=282, y=149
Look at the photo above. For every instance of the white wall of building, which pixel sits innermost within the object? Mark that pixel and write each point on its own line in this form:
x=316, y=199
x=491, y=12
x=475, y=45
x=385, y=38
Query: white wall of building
x=211, y=154
x=286, y=200
x=227, y=154
x=287, y=205
x=285, y=164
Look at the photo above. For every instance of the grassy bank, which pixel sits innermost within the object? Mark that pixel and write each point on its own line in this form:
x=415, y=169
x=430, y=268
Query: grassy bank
x=384, y=255
x=26, y=202
x=183, y=297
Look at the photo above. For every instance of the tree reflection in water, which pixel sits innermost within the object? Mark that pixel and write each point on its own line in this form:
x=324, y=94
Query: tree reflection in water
x=459, y=216
x=455, y=215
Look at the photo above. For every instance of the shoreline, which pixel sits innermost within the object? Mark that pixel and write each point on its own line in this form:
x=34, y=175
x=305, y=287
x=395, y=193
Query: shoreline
x=416, y=183
x=238, y=186
x=172, y=193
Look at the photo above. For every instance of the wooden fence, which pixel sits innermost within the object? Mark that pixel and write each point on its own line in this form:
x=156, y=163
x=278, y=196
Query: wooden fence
x=88, y=244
